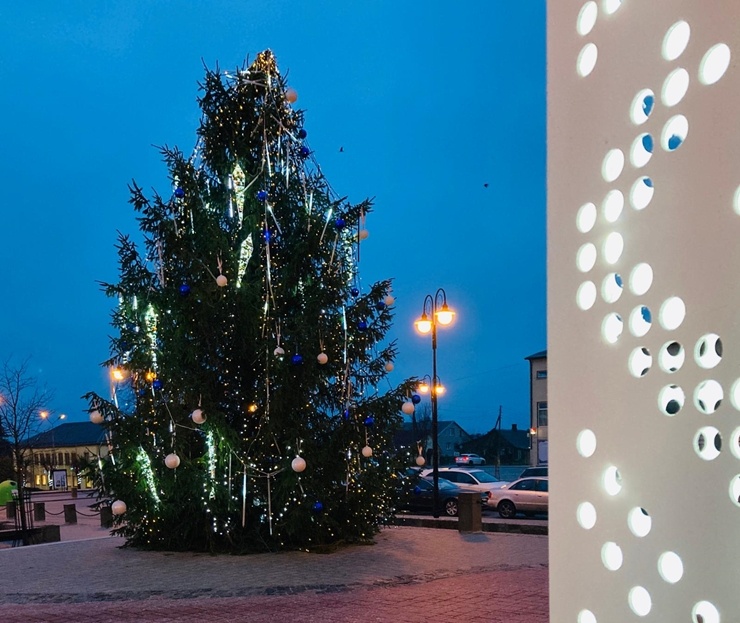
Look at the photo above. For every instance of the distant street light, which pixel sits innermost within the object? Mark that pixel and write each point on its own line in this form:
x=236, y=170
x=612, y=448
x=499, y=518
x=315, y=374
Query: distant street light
x=435, y=312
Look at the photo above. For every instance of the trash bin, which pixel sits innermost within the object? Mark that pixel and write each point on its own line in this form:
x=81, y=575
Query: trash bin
x=469, y=512
x=39, y=511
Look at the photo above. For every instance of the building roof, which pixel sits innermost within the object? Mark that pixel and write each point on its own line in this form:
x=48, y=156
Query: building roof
x=69, y=434
x=540, y=355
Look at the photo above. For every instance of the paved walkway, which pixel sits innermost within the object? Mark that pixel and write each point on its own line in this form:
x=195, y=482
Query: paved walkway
x=410, y=575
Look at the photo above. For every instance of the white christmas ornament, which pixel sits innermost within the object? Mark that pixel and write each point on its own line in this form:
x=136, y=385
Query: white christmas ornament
x=389, y=366
x=118, y=507
x=420, y=460
x=389, y=300
x=96, y=417
x=408, y=408
x=364, y=233
x=367, y=452
x=172, y=460
x=198, y=416
x=221, y=281
x=298, y=464
x=278, y=352
x=322, y=358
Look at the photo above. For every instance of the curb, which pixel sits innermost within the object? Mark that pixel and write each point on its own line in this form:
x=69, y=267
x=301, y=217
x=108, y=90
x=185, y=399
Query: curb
x=490, y=526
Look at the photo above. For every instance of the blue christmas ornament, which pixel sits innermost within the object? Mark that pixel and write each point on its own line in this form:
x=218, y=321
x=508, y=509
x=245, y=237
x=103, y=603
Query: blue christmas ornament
x=142, y=392
x=301, y=133
x=184, y=289
x=340, y=223
x=354, y=292
x=266, y=235
x=297, y=360
x=380, y=305
x=304, y=151
x=318, y=507
x=417, y=490
x=362, y=325
x=262, y=195
x=345, y=414
x=416, y=399
x=157, y=384
x=369, y=421
x=179, y=192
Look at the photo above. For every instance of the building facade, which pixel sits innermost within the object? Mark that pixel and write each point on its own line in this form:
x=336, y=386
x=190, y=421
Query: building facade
x=538, y=408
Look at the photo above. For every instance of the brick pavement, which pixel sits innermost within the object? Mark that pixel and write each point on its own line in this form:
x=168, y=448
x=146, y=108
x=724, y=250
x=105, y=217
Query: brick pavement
x=410, y=574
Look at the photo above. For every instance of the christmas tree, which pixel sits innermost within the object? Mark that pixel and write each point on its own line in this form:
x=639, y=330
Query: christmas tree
x=251, y=409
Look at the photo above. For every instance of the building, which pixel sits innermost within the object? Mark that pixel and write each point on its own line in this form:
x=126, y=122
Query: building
x=538, y=407
x=450, y=437
x=57, y=457
x=502, y=446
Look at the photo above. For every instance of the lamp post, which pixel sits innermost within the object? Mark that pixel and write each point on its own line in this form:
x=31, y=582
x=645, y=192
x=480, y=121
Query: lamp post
x=45, y=416
x=435, y=311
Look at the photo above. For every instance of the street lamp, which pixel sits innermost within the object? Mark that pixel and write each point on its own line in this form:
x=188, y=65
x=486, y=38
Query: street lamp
x=45, y=416
x=435, y=312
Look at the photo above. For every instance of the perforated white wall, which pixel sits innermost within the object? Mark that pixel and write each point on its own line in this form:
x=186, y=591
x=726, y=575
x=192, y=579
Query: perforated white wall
x=644, y=310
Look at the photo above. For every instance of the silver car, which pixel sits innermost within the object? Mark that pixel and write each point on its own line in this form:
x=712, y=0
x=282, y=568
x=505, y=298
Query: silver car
x=526, y=495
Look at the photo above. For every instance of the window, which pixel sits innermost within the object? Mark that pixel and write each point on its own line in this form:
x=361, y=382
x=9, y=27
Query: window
x=542, y=414
x=541, y=374
x=66, y=459
x=541, y=485
x=524, y=485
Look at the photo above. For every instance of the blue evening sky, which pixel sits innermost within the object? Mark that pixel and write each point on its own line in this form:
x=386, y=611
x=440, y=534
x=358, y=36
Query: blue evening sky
x=431, y=101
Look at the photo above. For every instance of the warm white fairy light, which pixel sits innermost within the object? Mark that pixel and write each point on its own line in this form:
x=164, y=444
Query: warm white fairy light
x=146, y=468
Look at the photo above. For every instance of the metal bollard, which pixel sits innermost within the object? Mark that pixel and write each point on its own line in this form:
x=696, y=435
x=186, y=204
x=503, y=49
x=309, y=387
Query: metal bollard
x=74, y=492
x=70, y=513
x=10, y=510
x=106, y=517
x=39, y=511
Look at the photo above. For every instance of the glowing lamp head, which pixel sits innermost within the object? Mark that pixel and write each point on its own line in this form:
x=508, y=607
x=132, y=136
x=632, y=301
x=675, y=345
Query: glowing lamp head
x=439, y=389
x=423, y=325
x=44, y=415
x=423, y=387
x=117, y=374
x=445, y=315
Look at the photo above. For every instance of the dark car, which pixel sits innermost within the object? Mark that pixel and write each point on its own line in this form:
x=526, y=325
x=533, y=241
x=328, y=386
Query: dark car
x=534, y=472
x=421, y=494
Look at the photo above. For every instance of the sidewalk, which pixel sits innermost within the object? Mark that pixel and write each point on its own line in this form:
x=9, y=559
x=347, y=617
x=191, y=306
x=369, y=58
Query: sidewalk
x=411, y=574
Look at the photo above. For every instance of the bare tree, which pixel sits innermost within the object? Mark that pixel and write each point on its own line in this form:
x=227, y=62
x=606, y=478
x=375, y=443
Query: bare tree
x=21, y=401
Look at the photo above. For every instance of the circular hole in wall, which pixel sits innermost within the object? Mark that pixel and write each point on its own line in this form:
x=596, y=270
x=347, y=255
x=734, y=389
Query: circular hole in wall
x=704, y=612
x=670, y=567
x=672, y=313
x=611, y=556
x=610, y=6
x=586, y=515
x=676, y=40
x=641, y=150
x=611, y=287
x=735, y=443
x=642, y=193
x=639, y=521
x=708, y=351
x=671, y=357
x=586, y=18
x=639, y=601
x=639, y=362
x=612, y=327
x=587, y=59
x=613, y=205
x=674, y=133
x=641, y=278
x=613, y=165
x=640, y=320
x=708, y=396
x=586, y=218
x=612, y=480
x=613, y=247
x=671, y=399
x=714, y=64
x=735, y=490
x=586, y=616
x=586, y=443
x=708, y=443
x=586, y=295
x=675, y=87
x=642, y=106
x=586, y=257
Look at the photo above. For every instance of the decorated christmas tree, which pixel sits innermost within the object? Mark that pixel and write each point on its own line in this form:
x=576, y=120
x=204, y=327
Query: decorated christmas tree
x=251, y=409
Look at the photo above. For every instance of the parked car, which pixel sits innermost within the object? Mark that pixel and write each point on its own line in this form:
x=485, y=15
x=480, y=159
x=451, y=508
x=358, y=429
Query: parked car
x=468, y=479
x=526, y=495
x=421, y=496
x=534, y=471
x=469, y=459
